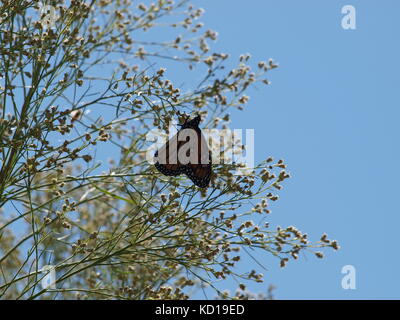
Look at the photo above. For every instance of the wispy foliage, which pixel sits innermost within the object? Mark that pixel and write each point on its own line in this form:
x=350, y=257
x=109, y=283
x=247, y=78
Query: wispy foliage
x=77, y=78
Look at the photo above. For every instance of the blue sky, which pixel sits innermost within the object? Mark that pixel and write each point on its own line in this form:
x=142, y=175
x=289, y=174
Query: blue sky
x=337, y=91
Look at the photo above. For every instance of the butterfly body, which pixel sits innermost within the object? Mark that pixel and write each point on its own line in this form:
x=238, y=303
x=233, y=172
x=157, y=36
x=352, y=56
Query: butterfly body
x=172, y=160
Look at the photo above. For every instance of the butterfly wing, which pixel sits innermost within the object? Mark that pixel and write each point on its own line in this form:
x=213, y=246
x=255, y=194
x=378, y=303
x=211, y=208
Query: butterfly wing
x=200, y=172
x=166, y=160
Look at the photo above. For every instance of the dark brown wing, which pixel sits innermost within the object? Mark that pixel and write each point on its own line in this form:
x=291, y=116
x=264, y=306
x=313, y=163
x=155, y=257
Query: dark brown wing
x=166, y=160
x=200, y=172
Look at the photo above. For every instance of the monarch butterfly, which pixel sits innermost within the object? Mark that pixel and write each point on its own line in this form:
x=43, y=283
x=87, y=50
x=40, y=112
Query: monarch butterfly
x=186, y=153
